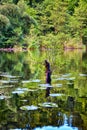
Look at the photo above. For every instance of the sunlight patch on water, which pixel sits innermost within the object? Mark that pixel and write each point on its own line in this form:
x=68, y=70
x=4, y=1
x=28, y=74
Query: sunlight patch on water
x=56, y=128
x=16, y=129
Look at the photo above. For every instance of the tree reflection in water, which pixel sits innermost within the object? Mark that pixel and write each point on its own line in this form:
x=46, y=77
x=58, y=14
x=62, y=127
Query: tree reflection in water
x=65, y=126
x=48, y=77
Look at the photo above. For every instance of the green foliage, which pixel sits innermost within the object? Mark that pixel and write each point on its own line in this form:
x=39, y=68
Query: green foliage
x=4, y=23
x=13, y=25
x=72, y=5
x=78, y=22
x=55, y=22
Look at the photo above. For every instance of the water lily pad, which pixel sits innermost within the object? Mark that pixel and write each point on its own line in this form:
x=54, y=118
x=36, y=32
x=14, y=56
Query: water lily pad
x=4, y=97
x=24, y=100
x=9, y=76
x=36, y=80
x=54, y=76
x=26, y=81
x=22, y=89
x=58, y=85
x=72, y=78
x=13, y=81
x=61, y=78
x=4, y=81
x=30, y=81
x=56, y=94
x=66, y=75
x=42, y=88
x=48, y=104
x=83, y=75
x=45, y=85
x=6, y=86
x=18, y=92
x=70, y=83
x=32, y=107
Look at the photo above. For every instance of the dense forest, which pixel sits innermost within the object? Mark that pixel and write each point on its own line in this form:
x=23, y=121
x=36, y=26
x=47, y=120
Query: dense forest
x=43, y=23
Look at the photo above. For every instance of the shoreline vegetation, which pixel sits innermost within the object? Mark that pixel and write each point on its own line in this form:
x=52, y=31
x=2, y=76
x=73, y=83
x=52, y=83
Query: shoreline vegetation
x=43, y=24
x=15, y=49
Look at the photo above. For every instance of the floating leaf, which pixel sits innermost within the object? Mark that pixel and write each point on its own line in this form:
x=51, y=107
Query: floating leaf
x=13, y=81
x=58, y=85
x=9, y=76
x=30, y=81
x=4, y=97
x=4, y=81
x=22, y=89
x=48, y=104
x=72, y=78
x=36, y=80
x=6, y=86
x=26, y=81
x=32, y=107
x=61, y=78
x=83, y=75
x=55, y=94
x=18, y=92
x=45, y=85
x=66, y=75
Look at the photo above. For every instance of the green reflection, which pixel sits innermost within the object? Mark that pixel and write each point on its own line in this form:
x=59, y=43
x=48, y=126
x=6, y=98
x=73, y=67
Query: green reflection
x=24, y=71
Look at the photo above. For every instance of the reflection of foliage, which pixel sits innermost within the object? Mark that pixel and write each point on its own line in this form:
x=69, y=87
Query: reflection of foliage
x=15, y=65
x=30, y=65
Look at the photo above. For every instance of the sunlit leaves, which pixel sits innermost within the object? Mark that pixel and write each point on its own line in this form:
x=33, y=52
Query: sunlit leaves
x=4, y=22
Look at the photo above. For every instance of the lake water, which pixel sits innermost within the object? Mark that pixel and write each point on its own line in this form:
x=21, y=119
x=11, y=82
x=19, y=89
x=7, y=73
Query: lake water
x=28, y=103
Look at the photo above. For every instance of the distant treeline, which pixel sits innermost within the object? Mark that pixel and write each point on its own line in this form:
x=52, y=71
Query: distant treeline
x=43, y=23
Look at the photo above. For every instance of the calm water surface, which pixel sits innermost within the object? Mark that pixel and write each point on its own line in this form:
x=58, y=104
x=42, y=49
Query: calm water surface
x=23, y=101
